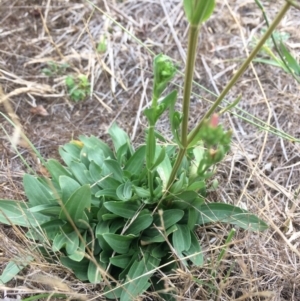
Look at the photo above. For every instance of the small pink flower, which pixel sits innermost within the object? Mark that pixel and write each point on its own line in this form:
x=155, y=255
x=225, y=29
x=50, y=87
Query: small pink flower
x=214, y=121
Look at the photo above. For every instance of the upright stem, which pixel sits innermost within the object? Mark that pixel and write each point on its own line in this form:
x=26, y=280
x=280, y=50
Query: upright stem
x=188, y=83
x=244, y=66
x=151, y=147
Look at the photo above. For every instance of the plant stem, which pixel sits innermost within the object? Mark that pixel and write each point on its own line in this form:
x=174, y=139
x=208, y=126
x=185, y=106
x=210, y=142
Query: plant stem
x=238, y=74
x=151, y=147
x=244, y=66
x=188, y=81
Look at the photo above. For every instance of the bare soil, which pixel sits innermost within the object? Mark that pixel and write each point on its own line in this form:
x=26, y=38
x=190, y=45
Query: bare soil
x=261, y=172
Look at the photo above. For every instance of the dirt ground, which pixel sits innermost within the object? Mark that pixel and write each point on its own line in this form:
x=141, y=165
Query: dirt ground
x=261, y=172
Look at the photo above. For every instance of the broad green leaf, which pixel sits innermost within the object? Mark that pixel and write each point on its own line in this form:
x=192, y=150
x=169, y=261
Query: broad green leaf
x=196, y=186
x=79, y=268
x=113, y=292
x=69, y=241
x=56, y=169
x=138, y=277
x=157, y=236
x=119, y=243
x=198, y=11
x=101, y=229
x=36, y=192
x=224, y=213
x=114, y=169
x=16, y=213
x=142, y=222
x=48, y=210
x=179, y=184
x=141, y=192
x=107, y=193
x=68, y=187
x=124, y=209
x=80, y=172
x=121, y=261
x=123, y=153
x=94, y=272
x=195, y=250
x=79, y=253
x=160, y=154
x=168, y=218
x=164, y=170
x=52, y=228
x=70, y=153
x=14, y=267
x=193, y=218
x=181, y=239
x=119, y=137
x=95, y=172
x=76, y=205
x=98, y=145
x=124, y=191
x=136, y=162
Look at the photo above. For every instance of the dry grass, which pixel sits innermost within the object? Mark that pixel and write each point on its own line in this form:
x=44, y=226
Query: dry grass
x=261, y=173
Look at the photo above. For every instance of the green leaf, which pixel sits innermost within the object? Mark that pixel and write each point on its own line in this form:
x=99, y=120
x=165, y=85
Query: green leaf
x=181, y=239
x=178, y=185
x=48, y=210
x=101, y=148
x=198, y=11
x=195, y=250
x=52, y=227
x=36, y=192
x=138, y=277
x=136, y=162
x=124, y=191
x=94, y=272
x=141, y=192
x=79, y=253
x=157, y=236
x=119, y=137
x=168, y=217
x=193, y=218
x=291, y=61
x=79, y=268
x=80, y=172
x=114, y=168
x=14, y=267
x=68, y=187
x=123, y=209
x=56, y=170
x=70, y=152
x=108, y=193
x=121, y=261
x=142, y=222
x=69, y=241
x=224, y=213
x=76, y=205
x=119, y=243
x=164, y=170
x=16, y=213
x=160, y=154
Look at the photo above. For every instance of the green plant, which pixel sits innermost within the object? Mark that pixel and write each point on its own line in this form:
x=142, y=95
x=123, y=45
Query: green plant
x=54, y=69
x=121, y=215
x=102, y=45
x=78, y=87
x=284, y=60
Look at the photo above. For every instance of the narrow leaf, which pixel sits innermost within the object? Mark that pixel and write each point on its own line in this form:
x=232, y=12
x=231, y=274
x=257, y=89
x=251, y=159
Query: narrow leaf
x=224, y=213
x=13, y=268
